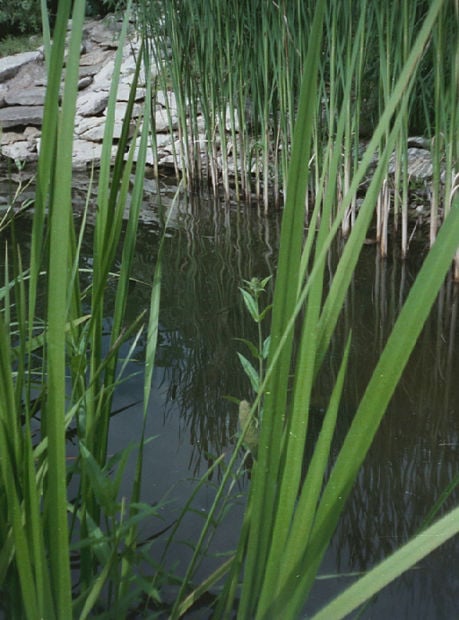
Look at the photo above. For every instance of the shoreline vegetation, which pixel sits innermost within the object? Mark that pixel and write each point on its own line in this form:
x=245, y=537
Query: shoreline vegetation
x=234, y=141
x=291, y=80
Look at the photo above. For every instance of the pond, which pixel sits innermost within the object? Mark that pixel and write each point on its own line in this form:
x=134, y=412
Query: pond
x=209, y=250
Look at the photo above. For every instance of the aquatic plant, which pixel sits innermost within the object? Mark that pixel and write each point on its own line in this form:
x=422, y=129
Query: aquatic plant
x=235, y=70
x=59, y=371
x=290, y=519
x=64, y=556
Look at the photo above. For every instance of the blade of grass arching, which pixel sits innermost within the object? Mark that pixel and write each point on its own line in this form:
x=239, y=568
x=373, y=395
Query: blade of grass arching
x=60, y=221
x=389, y=569
x=345, y=269
x=264, y=486
x=376, y=398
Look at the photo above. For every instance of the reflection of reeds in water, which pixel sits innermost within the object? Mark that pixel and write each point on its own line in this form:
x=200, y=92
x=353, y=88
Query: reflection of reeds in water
x=205, y=262
x=414, y=455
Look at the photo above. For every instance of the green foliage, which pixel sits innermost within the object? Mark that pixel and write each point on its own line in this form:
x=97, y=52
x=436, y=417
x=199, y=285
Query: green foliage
x=60, y=356
x=291, y=515
x=102, y=7
x=22, y=17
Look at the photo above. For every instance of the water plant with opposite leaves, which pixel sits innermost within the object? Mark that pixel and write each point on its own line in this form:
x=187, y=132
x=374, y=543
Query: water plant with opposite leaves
x=78, y=555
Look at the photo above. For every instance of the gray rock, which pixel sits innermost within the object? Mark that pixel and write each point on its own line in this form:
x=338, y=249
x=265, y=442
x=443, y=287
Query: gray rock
x=10, y=65
x=92, y=102
x=85, y=81
x=162, y=121
x=420, y=166
x=21, y=150
x=166, y=99
x=95, y=57
x=19, y=116
x=124, y=91
x=103, y=77
x=10, y=137
x=85, y=152
x=31, y=133
x=3, y=91
x=94, y=128
x=120, y=111
x=34, y=95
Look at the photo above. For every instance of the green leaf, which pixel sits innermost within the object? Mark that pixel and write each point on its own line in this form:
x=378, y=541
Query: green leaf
x=392, y=567
x=250, y=372
x=252, y=348
x=251, y=305
x=265, y=350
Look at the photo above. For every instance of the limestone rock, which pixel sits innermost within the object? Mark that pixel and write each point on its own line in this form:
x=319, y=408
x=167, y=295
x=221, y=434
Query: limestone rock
x=124, y=92
x=10, y=137
x=34, y=95
x=120, y=111
x=85, y=81
x=94, y=129
x=10, y=65
x=85, y=152
x=91, y=103
x=95, y=57
x=18, y=116
x=3, y=91
x=162, y=121
x=103, y=77
x=22, y=150
x=420, y=166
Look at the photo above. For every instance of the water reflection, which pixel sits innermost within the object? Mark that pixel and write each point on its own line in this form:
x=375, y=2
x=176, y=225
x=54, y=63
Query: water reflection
x=205, y=262
x=208, y=252
x=415, y=452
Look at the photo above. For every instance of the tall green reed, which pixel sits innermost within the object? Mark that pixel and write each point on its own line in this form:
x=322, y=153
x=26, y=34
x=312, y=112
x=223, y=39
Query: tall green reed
x=290, y=518
x=235, y=69
x=54, y=363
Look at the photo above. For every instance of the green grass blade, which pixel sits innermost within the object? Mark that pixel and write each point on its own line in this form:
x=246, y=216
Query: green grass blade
x=377, y=395
x=392, y=567
x=263, y=491
x=56, y=319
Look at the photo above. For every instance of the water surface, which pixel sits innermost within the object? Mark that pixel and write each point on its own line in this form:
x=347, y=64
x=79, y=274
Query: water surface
x=208, y=253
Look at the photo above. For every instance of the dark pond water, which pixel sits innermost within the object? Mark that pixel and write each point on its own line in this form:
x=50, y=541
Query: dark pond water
x=208, y=252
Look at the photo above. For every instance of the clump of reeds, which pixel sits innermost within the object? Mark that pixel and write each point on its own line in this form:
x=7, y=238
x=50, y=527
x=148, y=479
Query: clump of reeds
x=235, y=69
x=291, y=515
x=58, y=377
x=52, y=356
